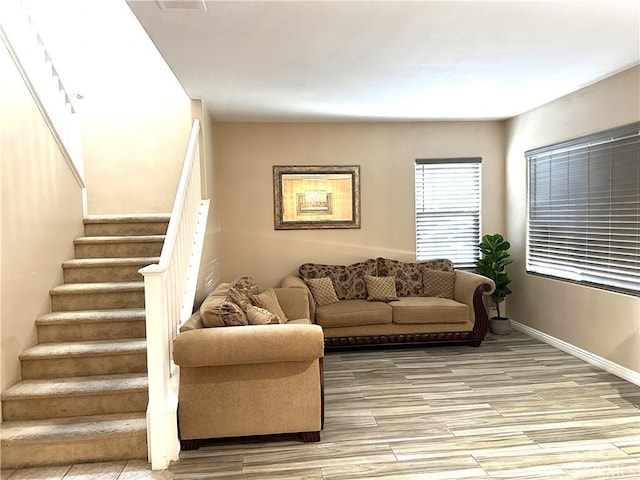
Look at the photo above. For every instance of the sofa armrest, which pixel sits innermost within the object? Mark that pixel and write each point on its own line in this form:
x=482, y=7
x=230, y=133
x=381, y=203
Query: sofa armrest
x=294, y=302
x=291, y=281
x=254, y=344
x=470, y=289
x=194, y=322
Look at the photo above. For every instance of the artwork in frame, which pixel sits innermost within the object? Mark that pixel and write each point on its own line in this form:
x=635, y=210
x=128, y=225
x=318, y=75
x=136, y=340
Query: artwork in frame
x=319, y=196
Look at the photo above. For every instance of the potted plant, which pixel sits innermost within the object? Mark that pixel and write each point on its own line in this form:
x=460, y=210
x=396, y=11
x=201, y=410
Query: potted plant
x=495, y=257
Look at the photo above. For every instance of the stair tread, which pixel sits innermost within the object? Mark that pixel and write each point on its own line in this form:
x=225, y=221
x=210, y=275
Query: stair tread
x=109, y=262
x=128, y=218
x=56, y=429
x=85, y=348
x=72, y=386
x=119, y=239
x=90, y=316
x=99, y=287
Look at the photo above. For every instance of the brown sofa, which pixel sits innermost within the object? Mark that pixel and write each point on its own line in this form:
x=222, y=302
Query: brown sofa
x=251, y=380
x=435, y=303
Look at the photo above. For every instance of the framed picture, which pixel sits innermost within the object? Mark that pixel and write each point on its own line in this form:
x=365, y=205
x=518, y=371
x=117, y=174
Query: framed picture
x=316, y=196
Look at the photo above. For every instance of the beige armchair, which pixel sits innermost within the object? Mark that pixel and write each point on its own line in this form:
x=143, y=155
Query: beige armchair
x=251, y=380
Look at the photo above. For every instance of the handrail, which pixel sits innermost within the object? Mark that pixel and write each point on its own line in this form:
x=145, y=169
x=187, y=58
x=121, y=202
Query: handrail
x=170, y=289
x=41, y=77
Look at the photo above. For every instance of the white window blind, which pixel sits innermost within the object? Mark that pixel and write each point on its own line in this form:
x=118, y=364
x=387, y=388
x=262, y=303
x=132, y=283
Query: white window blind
x=584, y=210
x=448, y=210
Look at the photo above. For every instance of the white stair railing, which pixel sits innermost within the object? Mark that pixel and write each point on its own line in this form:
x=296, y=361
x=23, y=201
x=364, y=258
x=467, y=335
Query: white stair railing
x=169, y=290
x=32, y=59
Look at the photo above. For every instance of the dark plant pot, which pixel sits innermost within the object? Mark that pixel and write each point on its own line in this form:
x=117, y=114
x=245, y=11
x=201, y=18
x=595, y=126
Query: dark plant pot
x=500, y=325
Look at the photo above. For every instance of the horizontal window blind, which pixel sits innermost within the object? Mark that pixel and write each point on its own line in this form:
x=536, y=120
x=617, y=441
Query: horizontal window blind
x=448, y=210
x=584, y=209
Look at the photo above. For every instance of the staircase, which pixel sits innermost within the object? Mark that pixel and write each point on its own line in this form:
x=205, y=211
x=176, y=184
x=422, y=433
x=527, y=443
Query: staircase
x=83, y=394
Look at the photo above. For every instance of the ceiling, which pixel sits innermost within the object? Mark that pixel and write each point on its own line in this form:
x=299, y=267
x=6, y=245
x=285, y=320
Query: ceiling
x=389, y=60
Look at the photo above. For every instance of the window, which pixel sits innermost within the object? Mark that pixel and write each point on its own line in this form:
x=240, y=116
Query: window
x=448, y=210
x=584, y=210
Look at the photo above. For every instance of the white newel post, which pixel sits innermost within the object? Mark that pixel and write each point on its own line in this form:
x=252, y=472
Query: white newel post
x=162, y=435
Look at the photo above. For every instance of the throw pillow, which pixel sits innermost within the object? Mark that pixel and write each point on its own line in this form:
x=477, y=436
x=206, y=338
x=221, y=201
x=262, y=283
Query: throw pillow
x=260, y=316
x=348, y=280
x=381, y=288
x=408, y=276
x=241, y=291
x=322, y=290
x=443, y=264
x=232, y=314
x=438, y=283
x=210, y=310
x=269, y=301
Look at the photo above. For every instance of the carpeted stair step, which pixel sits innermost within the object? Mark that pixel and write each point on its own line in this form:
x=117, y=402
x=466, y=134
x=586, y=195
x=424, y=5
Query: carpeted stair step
x=95, y=270
x=75, y=359
x=119, y=246
x=56, y=441
x=75, y=326
x=75, y=396
x=109, y=225
x=97, y=296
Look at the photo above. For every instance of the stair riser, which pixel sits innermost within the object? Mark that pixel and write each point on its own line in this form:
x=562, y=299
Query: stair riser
x=128, y=273
x=118, y=250
x=77, y=405
x=97, y=301
x=81, y=450
x=84, y=366
x=91, y=331
x=113, y=229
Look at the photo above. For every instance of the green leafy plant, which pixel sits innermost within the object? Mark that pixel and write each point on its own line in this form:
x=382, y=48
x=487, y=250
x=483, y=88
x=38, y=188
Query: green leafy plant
x=495, y=256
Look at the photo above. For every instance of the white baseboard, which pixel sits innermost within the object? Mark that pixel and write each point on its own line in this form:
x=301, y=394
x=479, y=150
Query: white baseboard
x=593, y=359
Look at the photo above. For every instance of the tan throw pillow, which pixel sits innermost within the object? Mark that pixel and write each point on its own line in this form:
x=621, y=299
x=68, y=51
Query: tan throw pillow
x=438, y=283
x=260, y=316
x=269, y=301
x=381, y=288
x=210, y=311
x=322, y=290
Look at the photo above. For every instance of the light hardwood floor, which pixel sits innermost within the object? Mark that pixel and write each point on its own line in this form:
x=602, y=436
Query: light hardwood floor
x=513, y=408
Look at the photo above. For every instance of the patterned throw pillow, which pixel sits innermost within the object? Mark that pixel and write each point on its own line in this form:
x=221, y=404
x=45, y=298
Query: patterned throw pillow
x=322, y=290
x=408, y=276
x=269, y=301
x=260, y=316
x=438, y=283
x=241, y=291
x=348, y=280
x=381, y=288
x=232, y=314
x=442, y=264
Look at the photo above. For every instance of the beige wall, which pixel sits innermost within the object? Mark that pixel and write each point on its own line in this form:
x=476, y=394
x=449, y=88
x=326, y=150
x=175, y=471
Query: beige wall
x=246, y=153
x=604, y=323
x=209, y=274
x=41, y=215
x=136, y=118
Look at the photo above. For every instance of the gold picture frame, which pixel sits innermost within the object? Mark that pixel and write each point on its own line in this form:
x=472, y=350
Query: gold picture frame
x=319, y=196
